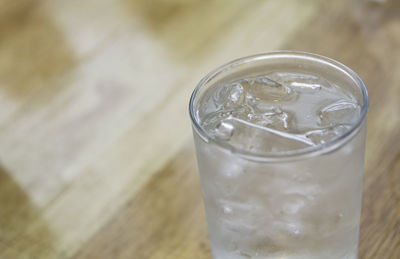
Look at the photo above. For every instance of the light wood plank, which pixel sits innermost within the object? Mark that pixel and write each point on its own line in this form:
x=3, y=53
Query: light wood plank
x=96, y=159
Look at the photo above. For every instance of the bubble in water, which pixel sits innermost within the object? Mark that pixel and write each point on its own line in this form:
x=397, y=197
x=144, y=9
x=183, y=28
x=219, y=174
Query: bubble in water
x=293, y=203
x=237, y=206
x=227, y=209
x=236, y=215
x=232, y=170
x=293, y=229
x=287, y=229
x=302, y=177
x=339, y=112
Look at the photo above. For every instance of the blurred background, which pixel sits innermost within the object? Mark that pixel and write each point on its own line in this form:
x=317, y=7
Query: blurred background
x=96, y=152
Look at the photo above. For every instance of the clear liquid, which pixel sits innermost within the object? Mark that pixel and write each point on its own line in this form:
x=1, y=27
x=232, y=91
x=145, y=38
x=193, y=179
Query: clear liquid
x=293, y=210
x=278, y=112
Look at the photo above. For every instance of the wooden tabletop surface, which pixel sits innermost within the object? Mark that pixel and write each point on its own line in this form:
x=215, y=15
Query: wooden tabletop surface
x=96, y=151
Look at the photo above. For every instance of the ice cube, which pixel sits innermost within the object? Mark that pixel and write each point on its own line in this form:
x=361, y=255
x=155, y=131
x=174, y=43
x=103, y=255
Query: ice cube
x=236, y=94
x=229, y=96
x=293, y=203
x=253, y=136
x=236, y=216
x=300, y=83
x=320, y=136
x=305, y=87
x=237, y=226
x=233, y=170
x=339, y=112
x=267, y=90
x=294, y=229
x=224, y=130
x=277, y=112
x=270, y=116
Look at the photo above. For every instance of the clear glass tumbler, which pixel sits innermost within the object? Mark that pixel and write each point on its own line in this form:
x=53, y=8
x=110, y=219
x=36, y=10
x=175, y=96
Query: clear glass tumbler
x=265, y=195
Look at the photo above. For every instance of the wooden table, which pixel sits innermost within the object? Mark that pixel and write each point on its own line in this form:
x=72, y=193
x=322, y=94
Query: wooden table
x=96, y=152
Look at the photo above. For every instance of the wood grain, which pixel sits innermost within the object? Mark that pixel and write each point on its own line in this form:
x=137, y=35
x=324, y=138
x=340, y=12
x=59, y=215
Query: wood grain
x=96, y=157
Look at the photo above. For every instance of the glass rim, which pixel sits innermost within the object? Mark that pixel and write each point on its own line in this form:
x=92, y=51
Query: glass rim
x=328, y=146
